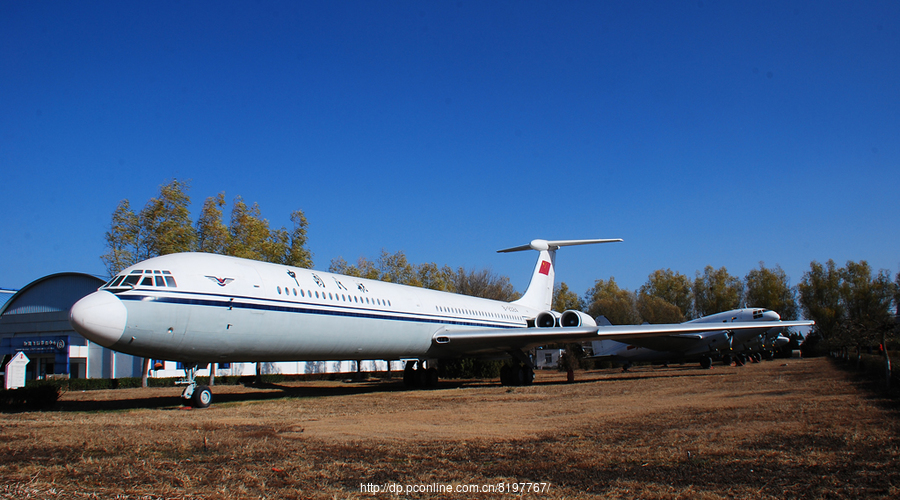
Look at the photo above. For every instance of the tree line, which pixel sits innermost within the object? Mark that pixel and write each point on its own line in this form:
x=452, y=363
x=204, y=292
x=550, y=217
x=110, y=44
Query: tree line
x=852, y=305
x=164, y=226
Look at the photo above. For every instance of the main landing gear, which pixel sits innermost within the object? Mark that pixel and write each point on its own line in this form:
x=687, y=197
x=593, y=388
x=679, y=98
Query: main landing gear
x=516, y=374
x=519, y=372
x=416, y=374
x=197, y=396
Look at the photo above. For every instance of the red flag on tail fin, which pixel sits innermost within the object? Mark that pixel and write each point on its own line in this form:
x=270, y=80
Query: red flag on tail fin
x=545, y=268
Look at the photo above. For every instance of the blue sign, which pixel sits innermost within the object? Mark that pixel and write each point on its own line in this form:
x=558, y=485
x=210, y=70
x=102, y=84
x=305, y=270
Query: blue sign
x=52, y=345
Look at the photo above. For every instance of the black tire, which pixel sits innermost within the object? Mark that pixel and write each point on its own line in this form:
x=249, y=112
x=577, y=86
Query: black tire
x=419, y=377
x=409, y=374
x=518, y=376
x=505, y=378
x=202, y=397
x=726, y=360
x=431, y=377
x=705, y=362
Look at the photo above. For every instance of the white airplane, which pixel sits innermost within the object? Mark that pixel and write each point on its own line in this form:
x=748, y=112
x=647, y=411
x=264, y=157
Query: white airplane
x=201, y=308
x=724, y=341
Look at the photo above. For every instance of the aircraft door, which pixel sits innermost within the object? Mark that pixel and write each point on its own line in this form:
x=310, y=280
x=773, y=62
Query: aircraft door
x=244, y=318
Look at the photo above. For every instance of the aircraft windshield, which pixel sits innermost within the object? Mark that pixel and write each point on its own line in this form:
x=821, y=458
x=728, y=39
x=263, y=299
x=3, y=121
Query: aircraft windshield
x=142, y=278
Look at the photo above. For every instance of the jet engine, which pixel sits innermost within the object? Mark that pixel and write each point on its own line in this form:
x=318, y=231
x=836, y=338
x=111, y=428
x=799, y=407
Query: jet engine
x=547, y=319
x=573, y=318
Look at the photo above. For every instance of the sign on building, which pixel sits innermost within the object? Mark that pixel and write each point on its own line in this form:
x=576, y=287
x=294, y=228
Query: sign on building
x=15, y=371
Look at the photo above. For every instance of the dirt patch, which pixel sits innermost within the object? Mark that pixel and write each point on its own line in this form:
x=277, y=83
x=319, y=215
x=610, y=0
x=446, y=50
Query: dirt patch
x=790, y=428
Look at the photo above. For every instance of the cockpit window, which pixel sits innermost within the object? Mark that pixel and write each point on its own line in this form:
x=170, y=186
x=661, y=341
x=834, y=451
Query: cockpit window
x=148, y=277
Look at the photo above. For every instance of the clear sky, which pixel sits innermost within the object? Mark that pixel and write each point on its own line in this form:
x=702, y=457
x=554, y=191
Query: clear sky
x=700, y=132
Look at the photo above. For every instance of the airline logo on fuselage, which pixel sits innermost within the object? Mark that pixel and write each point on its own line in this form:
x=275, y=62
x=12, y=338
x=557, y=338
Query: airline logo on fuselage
x=221, y=281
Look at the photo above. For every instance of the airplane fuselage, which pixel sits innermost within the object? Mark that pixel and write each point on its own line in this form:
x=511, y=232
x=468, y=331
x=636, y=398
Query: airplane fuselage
x=209, y=308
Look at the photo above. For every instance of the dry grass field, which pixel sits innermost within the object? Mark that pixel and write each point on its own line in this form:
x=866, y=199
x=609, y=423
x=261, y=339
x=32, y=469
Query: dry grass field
x=778, y=429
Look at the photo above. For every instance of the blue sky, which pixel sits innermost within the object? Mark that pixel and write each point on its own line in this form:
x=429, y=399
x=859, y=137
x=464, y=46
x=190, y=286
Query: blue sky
x=702, y=133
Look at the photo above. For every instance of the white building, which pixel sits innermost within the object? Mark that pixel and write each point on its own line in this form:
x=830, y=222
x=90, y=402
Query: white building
x=547, y=359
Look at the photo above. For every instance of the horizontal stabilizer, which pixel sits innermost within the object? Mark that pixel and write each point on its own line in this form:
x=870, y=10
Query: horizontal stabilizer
x=540, y=245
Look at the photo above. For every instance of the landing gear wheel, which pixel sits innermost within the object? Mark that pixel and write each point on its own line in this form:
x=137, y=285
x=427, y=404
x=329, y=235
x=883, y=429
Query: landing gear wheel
x=516, y=375
x=409, y=374
x=505, y=375
x=705, y=362
x=726, y=360
x=529, y=376
x=202, y=397
x=431, y=377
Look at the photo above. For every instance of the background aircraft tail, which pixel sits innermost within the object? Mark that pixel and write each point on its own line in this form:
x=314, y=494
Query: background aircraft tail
x=539, y=294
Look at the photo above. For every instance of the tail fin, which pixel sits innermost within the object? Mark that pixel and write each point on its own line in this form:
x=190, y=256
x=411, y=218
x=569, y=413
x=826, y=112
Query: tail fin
x=539, y=294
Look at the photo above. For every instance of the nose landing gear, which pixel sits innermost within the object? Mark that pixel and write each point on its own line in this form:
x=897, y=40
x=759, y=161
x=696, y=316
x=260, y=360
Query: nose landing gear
x=196, y=396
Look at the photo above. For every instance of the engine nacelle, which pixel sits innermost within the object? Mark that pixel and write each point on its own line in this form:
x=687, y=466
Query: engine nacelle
x=547, y=319
x=573, y=318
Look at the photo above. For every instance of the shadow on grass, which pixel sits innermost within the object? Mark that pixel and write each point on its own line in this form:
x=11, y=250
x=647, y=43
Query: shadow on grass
x=257, y=392
x=871, y=384
x=275, y=391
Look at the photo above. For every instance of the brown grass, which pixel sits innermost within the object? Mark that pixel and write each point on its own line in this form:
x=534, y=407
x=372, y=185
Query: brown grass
x=786, y=428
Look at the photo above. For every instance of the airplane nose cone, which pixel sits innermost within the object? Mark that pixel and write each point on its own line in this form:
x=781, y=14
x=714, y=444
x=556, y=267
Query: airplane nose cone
x=100, y=317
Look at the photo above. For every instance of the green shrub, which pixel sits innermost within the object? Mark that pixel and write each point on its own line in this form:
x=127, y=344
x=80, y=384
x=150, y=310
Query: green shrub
x=34, y=397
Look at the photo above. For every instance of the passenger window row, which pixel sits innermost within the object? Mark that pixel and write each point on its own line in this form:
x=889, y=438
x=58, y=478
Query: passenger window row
x=475, y=312
x=333, y=296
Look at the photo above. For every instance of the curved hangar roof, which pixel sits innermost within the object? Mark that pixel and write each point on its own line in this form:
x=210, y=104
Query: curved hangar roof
x=54, y=293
